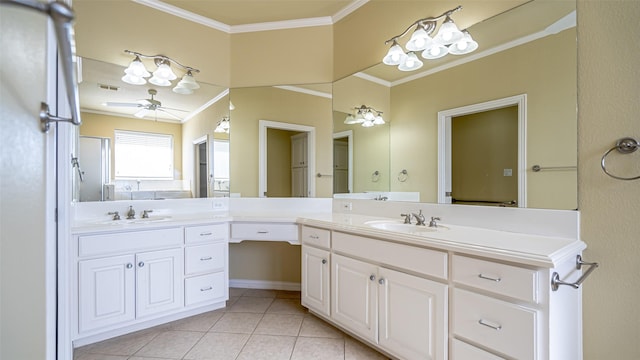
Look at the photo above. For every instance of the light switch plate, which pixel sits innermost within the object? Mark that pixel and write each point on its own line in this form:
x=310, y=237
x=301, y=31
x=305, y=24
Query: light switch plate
x=508, y=172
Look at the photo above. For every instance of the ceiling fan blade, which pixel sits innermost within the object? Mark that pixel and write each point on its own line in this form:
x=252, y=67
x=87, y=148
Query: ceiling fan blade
x=168, y=113
x=141, y=113
x=144, y=102
x=123, y=104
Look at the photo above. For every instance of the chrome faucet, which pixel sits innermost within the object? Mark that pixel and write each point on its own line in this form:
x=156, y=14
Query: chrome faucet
x=145, y=213
x=131, y=214
x=407, y=218
x=433, y=222
x=380, y=198
x=116, y=215
x=419, y=218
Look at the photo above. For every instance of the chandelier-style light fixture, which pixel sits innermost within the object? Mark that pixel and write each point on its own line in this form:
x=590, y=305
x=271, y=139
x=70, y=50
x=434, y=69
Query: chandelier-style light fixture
x=365, y=116
x=448, y=40
x=137, y=73
x=223, y=126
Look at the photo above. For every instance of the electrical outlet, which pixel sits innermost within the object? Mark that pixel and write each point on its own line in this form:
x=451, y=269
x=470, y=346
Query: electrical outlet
x=218, y=205
x=347, y=206
x=507, y=172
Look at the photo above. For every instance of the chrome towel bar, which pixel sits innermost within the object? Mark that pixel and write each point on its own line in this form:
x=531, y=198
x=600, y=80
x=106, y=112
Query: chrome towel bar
x=537, y=168
x=62, y=16
x=555, y=277
x=625, y=145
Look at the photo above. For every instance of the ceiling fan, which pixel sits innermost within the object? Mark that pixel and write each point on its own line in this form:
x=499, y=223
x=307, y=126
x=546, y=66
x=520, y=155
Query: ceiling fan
x=147, y=105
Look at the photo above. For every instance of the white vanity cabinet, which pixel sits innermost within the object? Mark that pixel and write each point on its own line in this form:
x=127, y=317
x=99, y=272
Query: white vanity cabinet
x=206, y=263
x=316, y=259
x=373, y=293
x=135, y=284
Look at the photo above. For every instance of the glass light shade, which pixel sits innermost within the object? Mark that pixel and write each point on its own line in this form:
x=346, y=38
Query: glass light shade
x=188, y=81
x=182, y=90
x=231, y=106
x=420, y=40
x=411, y=63
x=464, y=46
x=136, y=68
x=159, y=81
x=378, y=120
x=368, y=116
x=395, y=55
x=133, y=79
x=164, y=72
x=436, y=51
x=350, y=120
x=367, y=124
x=448, y=33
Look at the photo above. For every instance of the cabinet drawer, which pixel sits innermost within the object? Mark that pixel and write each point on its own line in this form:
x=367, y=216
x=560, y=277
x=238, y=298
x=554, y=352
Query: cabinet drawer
x=425, y=261
x=463, y=351
x=113, y=243
x=316, y=237
x=205, y=288
x=265, y=231
x=205, y=258
x=196, y=234
x=507, y=328
x=512, y=281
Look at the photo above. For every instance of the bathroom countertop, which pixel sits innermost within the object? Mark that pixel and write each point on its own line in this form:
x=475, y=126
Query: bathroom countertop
x=534, y=250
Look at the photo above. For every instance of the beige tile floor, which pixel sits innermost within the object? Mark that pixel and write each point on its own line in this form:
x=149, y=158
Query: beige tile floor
x=255, y=325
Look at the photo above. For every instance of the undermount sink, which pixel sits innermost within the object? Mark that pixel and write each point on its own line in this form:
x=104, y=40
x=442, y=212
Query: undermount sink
x=149, y=220
x=400, y=226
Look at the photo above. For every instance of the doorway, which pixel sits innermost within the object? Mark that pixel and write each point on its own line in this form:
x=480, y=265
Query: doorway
x=343, y=162
x=265, y=165
x=493, y=169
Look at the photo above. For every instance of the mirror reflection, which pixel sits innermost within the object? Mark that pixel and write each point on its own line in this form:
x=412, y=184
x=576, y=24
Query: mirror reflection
x=535, y=58
x=147, y=141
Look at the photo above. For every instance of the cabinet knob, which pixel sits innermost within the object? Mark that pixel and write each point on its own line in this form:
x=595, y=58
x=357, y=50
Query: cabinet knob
x=381, y=281
x=324, y=261
x=372, y=277
x=141, y=264
x=129, y=265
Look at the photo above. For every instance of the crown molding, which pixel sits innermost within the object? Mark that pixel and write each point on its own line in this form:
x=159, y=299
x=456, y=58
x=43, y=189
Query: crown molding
x=304, y=91
x=187, y=15
x=373, y=79
x=246, y=28
x=214, y=100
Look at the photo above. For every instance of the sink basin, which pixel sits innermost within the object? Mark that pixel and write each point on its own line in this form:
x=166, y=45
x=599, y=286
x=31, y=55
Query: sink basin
x=149, y=220
x=400, y=226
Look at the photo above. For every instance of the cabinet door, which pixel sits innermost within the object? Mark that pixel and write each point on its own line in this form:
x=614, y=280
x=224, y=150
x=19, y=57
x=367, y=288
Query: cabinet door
x=106, y=291
x=299, y=150
x=412, y=315
x=315, y=279
x=354, y=295
x=299, y=182
x=159, y=282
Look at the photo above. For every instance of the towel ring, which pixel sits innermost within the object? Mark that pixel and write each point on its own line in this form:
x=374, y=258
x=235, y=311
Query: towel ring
x=625, y=145
x=403, y=175
x=375, y=176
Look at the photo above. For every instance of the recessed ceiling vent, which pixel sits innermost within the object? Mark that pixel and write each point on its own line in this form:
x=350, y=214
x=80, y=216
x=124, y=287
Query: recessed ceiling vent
x=108, y=87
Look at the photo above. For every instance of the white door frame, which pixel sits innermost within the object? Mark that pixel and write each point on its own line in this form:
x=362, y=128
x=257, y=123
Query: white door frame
x=444, y=143
x=263, y=125
x=349, y=135
x=196, y=164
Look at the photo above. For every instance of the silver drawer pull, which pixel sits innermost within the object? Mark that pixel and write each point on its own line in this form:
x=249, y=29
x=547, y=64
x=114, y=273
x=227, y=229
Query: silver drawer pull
x=372, y=277
x=481, y=276
x=129, y=265
x=263, y=232
x=206, y=258
x=141, y=264
x=324, y=261
x=206, y=234
x=206, y=288
x=315, y=237
x=490, y=325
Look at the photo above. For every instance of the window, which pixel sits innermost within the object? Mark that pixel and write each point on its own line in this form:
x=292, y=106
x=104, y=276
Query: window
x=143, y=155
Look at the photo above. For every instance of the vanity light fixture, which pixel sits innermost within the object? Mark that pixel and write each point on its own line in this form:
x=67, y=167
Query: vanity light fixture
x=223, y=125
x=448, y=40
x=137, y=73
x=366, y=116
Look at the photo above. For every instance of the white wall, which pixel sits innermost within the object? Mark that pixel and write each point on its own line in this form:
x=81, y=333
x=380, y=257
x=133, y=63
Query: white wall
x=609, y=108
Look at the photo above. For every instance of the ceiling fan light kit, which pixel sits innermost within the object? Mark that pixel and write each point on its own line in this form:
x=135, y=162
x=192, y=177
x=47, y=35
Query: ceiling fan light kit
x=136, y=73
x=448, y=40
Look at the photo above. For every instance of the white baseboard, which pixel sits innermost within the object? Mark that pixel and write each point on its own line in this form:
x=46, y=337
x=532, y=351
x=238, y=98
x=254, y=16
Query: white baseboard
x=264, y=284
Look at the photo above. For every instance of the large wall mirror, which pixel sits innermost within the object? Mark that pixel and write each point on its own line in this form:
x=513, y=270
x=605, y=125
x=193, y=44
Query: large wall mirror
x=529, y=51
x=124, y=123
